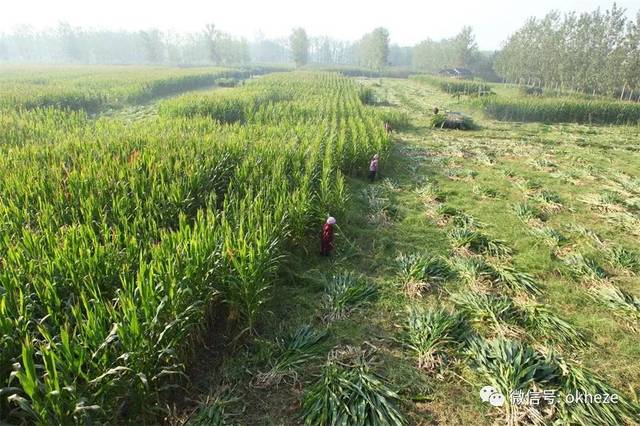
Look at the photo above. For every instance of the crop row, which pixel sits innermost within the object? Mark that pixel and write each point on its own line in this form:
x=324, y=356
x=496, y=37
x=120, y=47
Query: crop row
x=92, y=91
x=120, y=242
x=562, y=109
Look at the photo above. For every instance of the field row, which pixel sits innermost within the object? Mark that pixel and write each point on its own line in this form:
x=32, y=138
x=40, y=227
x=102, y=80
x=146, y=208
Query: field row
x=129, y=238
x=505, y=103
x=93, y=89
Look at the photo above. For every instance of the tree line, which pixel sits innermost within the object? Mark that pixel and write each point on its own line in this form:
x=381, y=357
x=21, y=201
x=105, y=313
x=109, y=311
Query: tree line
x=596, y=53
x=67, y=44
x=75, y=45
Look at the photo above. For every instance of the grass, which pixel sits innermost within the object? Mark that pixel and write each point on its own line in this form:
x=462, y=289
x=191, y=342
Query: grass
x=520, y=319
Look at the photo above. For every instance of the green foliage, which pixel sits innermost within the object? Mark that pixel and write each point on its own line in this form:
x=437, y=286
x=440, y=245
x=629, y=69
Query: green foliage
x=540, y=321
x=346, y=292
x=585, y=267
x=514, y=280
x=562, y=110
x=417, y=267
x=299, y=43
x=214, y=411
x=579, y=379
x=106, y=87
x=350, y=394
x=624, y=258
x=526, y=211
x=454, y=86
x=293, y=351
x=618, y=300
x=549, y=52
x=452, y=121
x=119, y=241
x=511, y=366
x=429, y=335
x=397, y=119
x=478, y=242
x=373, y=49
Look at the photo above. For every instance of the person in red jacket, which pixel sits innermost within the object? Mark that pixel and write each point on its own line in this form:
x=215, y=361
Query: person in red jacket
x=326, y=240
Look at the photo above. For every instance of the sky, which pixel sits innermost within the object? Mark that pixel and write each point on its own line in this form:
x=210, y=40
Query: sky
x=408, y=21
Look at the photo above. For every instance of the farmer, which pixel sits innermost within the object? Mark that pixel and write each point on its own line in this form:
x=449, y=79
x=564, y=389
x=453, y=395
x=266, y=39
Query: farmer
x=373, y=167
x=435, y=110
x=387, y=127
x=326, y=240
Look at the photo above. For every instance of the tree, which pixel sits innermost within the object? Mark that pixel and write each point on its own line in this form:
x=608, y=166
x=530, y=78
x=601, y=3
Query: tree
x=459, y=51
x=465, y=48
x=4, y=50
x=299, y=43
x=597, y=52
x=71, y=42
x=211, y=41
x=374, y=49
x=153, y=46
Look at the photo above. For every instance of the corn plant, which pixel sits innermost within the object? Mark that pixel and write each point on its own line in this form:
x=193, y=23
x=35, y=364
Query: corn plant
x=215, y=410
x=561, y=109
x=429, y=336
x=579, y=379
x=548, y=235
x=350, y=394
x=618, y=300
x=585, y=267
x=417, y=267
x=541, y=322
x=471, y=269
x=624, y=258
x=346, y=292
x=453, y=86
x=510, y=366
x=131, y=235
x=292, y=352
x=513, y=280
x=478, y=242
x=495, y=311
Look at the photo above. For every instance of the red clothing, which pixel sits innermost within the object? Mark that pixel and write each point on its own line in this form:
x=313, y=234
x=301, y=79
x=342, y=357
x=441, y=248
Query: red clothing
x=326, y=241
x=373, y=166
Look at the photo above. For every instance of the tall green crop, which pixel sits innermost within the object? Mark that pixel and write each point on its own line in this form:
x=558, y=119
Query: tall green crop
x=118, y=240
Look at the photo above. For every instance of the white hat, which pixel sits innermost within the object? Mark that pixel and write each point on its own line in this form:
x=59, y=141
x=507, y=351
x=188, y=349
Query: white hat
x=331, y=220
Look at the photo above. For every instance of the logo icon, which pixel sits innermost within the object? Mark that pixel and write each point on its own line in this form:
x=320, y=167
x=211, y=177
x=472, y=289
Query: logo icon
x=492, y=396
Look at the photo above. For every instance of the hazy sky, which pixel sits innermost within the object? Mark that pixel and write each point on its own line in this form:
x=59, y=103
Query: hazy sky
x=407, y=21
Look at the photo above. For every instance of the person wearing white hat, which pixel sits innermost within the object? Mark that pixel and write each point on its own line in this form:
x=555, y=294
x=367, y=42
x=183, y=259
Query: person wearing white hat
x=373, y=167
x=326, y=240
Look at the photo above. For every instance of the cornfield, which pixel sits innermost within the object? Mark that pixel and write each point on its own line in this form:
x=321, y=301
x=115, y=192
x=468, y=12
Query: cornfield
x=561, y=109
x=455, y=87
x=93, y=89
x=119, y=241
